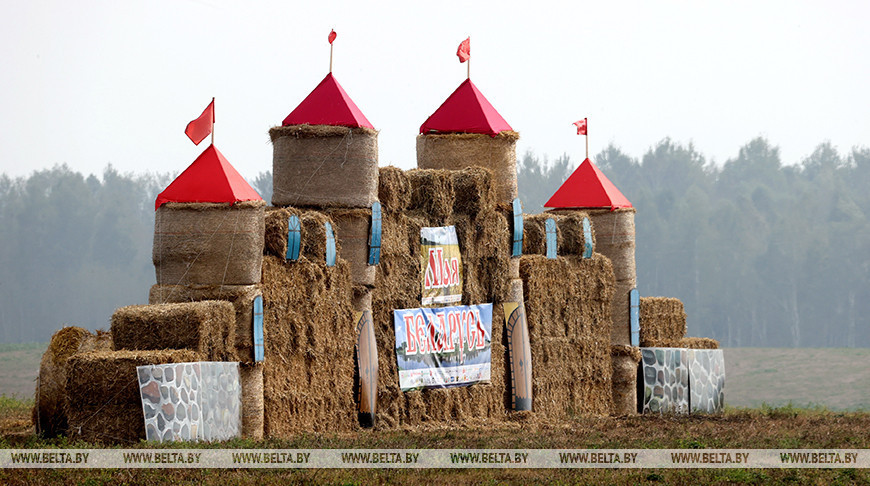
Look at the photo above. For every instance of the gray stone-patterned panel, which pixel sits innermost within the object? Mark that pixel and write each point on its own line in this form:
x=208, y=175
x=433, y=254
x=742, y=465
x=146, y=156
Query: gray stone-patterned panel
x=190, y=401
x=707, y=380
x=664, y=376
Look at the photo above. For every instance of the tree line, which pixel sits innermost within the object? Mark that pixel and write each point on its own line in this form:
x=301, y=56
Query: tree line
x=761, y=253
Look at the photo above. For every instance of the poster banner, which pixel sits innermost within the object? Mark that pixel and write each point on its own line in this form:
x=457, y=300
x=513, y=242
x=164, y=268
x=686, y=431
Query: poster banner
x=441, y=266
x=443, y=347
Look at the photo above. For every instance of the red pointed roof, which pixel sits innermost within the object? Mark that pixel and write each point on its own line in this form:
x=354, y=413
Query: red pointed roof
x=466, y=111
x=209, y=179
x=328, y=104
x=588, y=187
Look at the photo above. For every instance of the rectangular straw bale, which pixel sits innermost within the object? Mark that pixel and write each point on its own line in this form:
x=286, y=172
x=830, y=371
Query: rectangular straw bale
x=313, y=244
x=394, y=189
x=208, y=327
x=240, y=296
x=698, y=343
x=309, y=335
x=251, y=380
x=474, y=190
x=625, y=360
x=104, y=404
x=432, y=193
x=535, y=233
x=570, y=378
x=570, y=224
x=662, y=322
x=352, y=228
x=276, y=230
x=569, y=297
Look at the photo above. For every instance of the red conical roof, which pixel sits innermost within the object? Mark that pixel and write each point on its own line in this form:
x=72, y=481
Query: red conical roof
x=588, y=187
x=209, y=179
x=466, y=111
x=328, y=104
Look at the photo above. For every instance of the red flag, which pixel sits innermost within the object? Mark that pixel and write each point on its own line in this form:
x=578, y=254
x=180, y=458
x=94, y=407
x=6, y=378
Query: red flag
x=464, y=51
x=332, y=36
x=200, y=128
x=581, y=126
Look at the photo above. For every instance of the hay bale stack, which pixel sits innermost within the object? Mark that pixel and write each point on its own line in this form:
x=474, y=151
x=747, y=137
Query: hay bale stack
x=309, y=335
x=352, y=228
x=275, y=241
x=394, y=189
x=251, y=379
x=324, y=166
x=208, y=327
x=572, y=241
x=312, y=233
x=49, y=408
x=615, y=239
x=568, y=312
x=625, y=360
x=432, y=194
x=456, y=151
x=662, y=322
x=208, y=243
x=240, y=296
x=698, y=343
x=104, y=404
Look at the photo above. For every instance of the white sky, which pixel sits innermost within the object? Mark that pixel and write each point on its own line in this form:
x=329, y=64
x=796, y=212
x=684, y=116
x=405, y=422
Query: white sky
x=91, y=82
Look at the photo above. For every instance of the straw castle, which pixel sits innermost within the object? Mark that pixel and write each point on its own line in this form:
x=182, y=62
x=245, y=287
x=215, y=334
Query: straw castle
x=268, y=321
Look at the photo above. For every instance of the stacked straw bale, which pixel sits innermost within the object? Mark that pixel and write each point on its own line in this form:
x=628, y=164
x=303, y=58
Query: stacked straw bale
x=313, y=233
x=698, y=343
x=49, y=408
x=324, y=166
x=625, y=361
x=394, y=189
x=569, y=232
x=460, y=150
x=209, y=243
x=208, y=327
x=615, y=239
x=568, y=312
x=662, y=322
x=309, y=334
x=104, y=404
x=240, y=296
x=251, y=378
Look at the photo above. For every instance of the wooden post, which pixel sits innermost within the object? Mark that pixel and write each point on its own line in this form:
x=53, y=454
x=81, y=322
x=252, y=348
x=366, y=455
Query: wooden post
x=469, y=68
x=330, y=57
x=587, y=142
x=212, y=120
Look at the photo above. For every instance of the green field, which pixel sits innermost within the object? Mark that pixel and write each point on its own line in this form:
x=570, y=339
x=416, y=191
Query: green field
x=838, y=379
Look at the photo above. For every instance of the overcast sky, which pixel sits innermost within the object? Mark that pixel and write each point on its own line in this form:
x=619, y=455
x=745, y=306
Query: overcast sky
x=90, y=82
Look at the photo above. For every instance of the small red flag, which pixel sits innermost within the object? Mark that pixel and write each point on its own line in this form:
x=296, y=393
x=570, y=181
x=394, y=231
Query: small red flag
x=581, y=126
x=332, y=36
x=464, y=51
x=200, y=128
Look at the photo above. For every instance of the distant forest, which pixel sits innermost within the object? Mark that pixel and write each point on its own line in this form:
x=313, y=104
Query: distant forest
x=762, y=253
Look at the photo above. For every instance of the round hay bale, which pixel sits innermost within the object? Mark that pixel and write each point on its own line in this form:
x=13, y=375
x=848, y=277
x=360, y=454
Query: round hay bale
x=209, y=244
x=324, y=166
x=394, y=189
x=624, y=382
x=49, y=408
x=251, y=378
x=241, y=296
x=515, y=294
x=460, y=150
x=352, y=228
x=621, y=312
x=615, y=239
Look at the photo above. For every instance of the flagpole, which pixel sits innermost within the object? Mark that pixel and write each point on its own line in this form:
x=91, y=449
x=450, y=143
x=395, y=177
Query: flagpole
x=469, y=67
x=587, y=137
x=212, y=120
x=330, y=57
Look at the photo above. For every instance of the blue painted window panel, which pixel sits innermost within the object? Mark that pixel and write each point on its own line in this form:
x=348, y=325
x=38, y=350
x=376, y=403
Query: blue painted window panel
x=587, y=239
x=518, y=229
x=294, y=238
x=375, y=236
x=330, y=245
x=259, y=342
x=552, y=241
x=634, y=316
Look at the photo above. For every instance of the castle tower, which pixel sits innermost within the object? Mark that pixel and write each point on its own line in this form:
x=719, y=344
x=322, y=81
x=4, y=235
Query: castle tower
x=466, y=130
x=208, y=245
x=612, y=215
